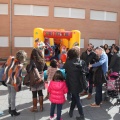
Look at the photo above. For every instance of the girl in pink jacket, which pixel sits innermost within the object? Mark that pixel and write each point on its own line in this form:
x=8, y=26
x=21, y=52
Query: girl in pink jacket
x=57, y=89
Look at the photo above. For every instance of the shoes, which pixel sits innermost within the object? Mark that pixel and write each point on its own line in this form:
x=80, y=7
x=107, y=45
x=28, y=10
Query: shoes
x=9, y=111
x=71, y=113
x=94, y=105
x=89, y=96
x=34, y=108
x=83, y=93
x=52, y=118
x=41, y=103
x=80, y=118
x=14, y=113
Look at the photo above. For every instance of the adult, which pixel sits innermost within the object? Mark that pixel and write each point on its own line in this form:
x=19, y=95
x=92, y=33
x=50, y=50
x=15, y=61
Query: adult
x=89, y=57
x=73, y=81
x=112, y=48
x=103, y=62
x=108, y=52
x=105, y=46
x=115, y=60
x=37, y=63
x=13, y=78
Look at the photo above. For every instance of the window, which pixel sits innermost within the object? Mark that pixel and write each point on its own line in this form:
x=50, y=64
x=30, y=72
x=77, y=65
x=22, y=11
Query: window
x=31, y=10
x=96, y=42
x=3, y=41
x=23, y=41
x=61, y=12
x=40, y=10
x=69, y=12
x=82, y=43
x=22, y=10
x=99, y=42
x=109, y=42
x=77, y=13
x=96, y=15
x=103, y=15
x=4, y=9
x=111, y=16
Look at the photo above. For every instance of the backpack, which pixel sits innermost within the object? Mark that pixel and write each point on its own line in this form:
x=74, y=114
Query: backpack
x=2, y=75
x=81, y=65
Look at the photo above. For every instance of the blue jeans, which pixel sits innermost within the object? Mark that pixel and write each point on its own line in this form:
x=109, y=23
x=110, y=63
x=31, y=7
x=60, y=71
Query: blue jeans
x=52, y=110
x=98, y=95
x=76, y=101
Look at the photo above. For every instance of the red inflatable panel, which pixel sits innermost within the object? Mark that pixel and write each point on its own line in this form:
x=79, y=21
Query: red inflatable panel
x=57, y=34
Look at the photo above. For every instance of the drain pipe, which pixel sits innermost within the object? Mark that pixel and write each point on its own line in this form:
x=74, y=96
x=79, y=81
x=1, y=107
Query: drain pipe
x=11, y=27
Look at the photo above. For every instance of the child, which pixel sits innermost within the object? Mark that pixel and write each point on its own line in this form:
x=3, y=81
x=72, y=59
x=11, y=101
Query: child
x=51, y=71
x=57, y=89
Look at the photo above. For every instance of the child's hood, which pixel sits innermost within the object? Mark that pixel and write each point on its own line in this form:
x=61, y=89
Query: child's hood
x=57, y=85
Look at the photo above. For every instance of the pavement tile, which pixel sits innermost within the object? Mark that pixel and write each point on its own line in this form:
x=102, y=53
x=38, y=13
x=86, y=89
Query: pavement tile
x=108, y=110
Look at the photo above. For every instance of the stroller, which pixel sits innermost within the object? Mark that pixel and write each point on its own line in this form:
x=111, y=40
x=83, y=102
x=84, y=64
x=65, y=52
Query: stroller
x=112, y=86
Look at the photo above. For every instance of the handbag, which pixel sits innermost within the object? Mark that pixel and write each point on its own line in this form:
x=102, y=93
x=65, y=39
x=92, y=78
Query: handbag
x=26, y=80
x=1, y=73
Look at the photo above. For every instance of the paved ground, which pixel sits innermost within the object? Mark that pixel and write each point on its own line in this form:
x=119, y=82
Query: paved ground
x=107, y=111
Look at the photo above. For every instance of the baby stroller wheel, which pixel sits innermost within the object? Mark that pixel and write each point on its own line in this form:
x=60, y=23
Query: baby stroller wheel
x=118, y=101
x=106, y=98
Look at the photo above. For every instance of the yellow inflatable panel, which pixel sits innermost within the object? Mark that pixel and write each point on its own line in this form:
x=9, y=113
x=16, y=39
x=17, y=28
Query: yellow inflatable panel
x=38, y=33
x=64, y=42
x=51, y=42
x=75, y=40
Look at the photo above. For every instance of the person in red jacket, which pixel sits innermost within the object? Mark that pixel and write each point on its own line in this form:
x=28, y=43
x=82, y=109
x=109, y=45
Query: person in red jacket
x=57, y=89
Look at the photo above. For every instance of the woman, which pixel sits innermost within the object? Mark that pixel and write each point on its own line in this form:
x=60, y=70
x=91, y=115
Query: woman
x=73, y=79
x=13, y=79
x=105, y=46
x=37, y=63
x=108, y=52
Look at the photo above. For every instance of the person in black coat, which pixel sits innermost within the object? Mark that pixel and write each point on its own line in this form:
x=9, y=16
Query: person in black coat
x=89, y=57
x=115, y=61
x=73, y=80
x=108, y=52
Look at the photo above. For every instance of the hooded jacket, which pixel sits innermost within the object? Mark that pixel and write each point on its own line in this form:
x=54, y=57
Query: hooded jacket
x=57, y=89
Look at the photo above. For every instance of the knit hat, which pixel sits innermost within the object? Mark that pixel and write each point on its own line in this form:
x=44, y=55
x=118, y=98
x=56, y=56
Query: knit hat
x=21, y=56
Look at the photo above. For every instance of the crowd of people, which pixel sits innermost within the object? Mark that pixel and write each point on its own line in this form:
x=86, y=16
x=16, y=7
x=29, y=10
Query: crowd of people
x=94, y=63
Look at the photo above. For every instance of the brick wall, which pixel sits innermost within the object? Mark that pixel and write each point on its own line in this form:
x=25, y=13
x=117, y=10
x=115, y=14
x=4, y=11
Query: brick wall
x=24, y=25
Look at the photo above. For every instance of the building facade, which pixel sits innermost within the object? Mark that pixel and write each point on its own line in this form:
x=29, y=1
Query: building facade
x=98, y=21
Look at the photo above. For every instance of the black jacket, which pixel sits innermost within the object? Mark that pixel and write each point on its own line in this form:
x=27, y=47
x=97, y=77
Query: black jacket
x=73, y=76
x=98, y=76
x=115, y=62
x=88, y=58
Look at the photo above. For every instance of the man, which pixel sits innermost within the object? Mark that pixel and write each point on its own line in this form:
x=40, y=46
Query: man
x=115, y=60
x=88, y=56
x=103, y=61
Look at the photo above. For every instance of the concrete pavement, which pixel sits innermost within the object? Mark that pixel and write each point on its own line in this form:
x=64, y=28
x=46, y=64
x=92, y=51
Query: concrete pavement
x=107, y=111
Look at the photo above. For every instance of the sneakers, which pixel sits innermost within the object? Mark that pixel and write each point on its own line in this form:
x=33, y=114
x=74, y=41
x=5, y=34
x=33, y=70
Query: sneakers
x=94, y=105
x=83, y=93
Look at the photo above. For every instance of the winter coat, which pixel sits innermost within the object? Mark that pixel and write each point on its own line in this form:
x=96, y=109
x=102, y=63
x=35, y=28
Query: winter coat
x=37, y=67
x=98, y=76
x=103, y=61
x=74, y=76
x=115, y=62
x=57, y=89
x=89, y=59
